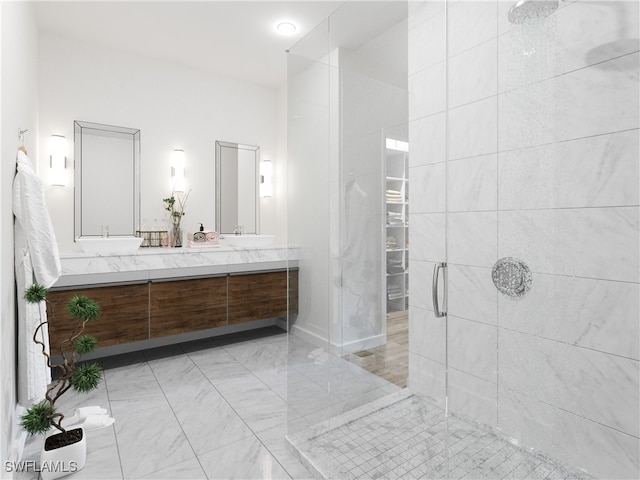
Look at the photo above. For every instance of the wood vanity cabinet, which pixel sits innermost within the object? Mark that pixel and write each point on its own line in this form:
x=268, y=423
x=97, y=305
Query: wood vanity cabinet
x=124, y=317
x=293, y=291
x=159, y=308
x=257, y=296
x=180, y=306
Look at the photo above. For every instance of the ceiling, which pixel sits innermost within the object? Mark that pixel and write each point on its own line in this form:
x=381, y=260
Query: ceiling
x=233, y=38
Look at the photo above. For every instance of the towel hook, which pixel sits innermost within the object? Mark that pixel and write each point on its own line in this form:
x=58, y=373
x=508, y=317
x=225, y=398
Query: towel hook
x=21, y=140
x=21, y=136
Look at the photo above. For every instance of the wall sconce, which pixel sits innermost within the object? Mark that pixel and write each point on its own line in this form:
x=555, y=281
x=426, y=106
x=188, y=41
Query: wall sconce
x=58, y=160
x=177, y=170
x=266, y=178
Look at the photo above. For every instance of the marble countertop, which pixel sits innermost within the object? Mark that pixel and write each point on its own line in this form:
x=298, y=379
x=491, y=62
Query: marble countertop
x=145, y=264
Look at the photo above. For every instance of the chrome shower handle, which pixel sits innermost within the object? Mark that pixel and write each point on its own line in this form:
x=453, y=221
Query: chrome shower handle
x=434, y=288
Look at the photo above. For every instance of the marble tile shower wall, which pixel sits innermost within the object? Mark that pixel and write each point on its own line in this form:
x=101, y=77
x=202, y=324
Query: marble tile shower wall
x=542, y=164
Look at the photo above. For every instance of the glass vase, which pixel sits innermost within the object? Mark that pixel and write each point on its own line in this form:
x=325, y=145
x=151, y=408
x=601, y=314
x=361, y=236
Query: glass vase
x=175, y=237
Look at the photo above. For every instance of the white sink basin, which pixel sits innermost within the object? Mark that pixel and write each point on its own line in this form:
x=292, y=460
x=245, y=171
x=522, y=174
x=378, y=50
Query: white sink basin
x=249, y=240
x=109, y=245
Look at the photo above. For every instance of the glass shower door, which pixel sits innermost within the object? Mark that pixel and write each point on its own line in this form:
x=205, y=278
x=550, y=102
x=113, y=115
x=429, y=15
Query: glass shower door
x=542, y=239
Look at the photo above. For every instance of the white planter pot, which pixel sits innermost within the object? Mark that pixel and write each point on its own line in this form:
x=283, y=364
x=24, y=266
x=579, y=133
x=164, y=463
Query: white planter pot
x=65, y=460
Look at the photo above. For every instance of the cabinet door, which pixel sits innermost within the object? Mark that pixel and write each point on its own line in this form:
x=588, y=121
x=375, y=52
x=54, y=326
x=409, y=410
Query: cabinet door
x=181, y=306
x=293, y=291
x=257, y=296
x=124, y=318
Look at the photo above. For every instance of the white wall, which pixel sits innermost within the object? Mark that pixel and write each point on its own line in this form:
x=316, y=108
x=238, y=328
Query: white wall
x=540, y=162
x=19, y=103
x=173, y=106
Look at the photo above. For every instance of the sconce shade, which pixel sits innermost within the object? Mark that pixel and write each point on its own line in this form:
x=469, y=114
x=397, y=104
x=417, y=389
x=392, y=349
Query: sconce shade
x=266, y=178
x=177, y=170
x=58, y=160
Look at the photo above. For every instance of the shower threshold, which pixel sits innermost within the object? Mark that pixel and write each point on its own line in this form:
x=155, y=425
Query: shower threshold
x=403, y=436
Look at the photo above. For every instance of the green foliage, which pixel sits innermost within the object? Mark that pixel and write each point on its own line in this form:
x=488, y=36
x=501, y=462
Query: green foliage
x=35, y=293
x=37, y=418
x=170, y=206
x=86, y=344
x=41, y=417
x=86, y=377
x=83, y=308
x=175, y=205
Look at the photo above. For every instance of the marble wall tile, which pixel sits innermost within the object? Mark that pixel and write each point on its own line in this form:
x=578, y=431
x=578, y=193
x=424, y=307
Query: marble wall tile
x=588, y=242
x=473, y=347
x=581, y=311
x=472, y=184
x=601, y=387
x=427, y=378
x=421, y=10
x=427, y=44
x=471, y=294
x=472, y=238
x=428, y=338
x=472, y=397
x=473, y=74
x=428, y=187
x=473, y=129
x=427, y=233
x=427, y=140
x=471, y=23
x=427, y=91
x=420, y=282
x=601, y=451
x=562, y=45
x=589, y=172
x=611, y=88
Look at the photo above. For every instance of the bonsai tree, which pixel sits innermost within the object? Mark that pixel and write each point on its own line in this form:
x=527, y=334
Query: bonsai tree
x=68, y=373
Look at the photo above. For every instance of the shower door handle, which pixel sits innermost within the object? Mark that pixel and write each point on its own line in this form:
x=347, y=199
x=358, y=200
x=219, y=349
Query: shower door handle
x=434, y=289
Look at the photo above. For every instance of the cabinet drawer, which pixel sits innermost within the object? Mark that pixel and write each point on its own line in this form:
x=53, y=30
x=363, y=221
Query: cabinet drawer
x=257, y=296
x=182, y=306
x=124, y=318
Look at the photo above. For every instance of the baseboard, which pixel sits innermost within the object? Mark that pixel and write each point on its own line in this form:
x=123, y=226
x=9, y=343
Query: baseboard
x=18, y=436
x=339, y=349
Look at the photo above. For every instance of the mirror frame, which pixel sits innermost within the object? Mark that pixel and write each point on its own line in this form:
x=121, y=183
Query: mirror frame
x=79, y=127
x=219, y=146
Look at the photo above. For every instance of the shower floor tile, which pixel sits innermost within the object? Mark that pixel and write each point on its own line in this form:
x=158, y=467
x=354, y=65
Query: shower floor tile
x=403, y=436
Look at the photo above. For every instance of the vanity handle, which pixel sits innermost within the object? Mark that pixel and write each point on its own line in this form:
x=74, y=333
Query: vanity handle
x=434, y=289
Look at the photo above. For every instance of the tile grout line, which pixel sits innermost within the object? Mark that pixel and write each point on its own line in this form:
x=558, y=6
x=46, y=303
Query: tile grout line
x=235, y=411
x=144, y=353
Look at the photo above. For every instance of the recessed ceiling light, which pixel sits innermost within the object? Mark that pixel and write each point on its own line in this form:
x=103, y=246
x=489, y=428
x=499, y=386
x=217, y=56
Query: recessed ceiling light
x=286, y=28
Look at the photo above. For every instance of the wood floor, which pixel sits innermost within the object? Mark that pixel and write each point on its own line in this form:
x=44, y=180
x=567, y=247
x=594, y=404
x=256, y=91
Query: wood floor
x=390, y=361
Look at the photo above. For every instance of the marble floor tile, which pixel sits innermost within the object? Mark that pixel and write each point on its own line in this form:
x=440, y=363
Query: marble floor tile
x=217, y=408
x=150, y=440
x=246, y=459
x=187, y=470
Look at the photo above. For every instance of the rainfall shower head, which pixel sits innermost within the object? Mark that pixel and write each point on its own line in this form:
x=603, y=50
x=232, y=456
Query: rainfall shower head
x=526, y=11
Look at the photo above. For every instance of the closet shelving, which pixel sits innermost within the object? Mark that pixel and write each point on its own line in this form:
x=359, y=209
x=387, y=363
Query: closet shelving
x=397, y=226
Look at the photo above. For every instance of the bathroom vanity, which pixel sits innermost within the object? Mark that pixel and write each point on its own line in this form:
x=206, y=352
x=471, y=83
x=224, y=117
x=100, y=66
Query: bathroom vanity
x=160, y=296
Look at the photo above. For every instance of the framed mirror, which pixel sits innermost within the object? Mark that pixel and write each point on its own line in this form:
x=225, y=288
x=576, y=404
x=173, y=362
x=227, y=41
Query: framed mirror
x=107, y=180
x=237, y=183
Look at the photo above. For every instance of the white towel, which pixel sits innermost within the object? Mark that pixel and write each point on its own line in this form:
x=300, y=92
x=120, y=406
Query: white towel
x=36, y=260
